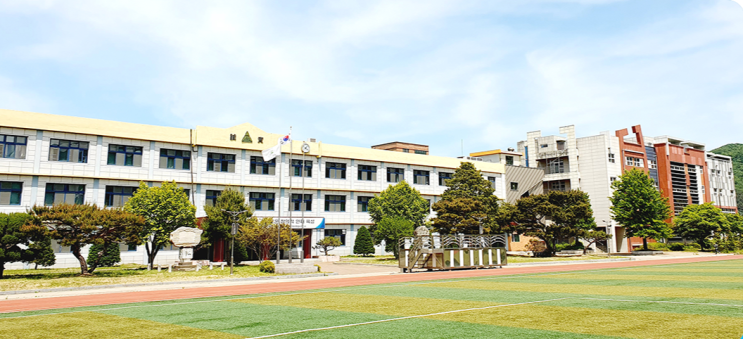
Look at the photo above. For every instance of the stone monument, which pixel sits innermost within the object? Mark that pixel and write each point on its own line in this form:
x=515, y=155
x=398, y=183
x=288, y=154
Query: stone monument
x=186, y=238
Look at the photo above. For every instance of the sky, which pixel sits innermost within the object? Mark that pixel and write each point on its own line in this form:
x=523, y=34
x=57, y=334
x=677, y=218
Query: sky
x=459, y=75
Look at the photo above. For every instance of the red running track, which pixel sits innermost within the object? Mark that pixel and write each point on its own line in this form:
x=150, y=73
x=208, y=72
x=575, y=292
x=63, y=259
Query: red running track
x=7, y=306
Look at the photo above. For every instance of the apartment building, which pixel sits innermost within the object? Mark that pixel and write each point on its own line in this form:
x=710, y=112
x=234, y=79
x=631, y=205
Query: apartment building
x=48, y=159
x=678, y=167
x=721, y=184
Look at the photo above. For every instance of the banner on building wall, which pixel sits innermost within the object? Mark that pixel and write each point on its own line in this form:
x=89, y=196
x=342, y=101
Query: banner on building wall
x=309, y=222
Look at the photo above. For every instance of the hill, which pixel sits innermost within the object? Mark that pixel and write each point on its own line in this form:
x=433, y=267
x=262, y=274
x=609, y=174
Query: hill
x=735, y=151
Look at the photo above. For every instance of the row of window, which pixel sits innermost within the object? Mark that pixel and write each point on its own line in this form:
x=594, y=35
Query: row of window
x=299, y=202
x=116, y=196
x=120, y=155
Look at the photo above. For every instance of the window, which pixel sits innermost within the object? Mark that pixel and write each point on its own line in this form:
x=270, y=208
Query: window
x=363, y=203
x=367, y=173
x=131, y=248
x=421, y=177
x=632, y=161
x=12, y=147
x=68, y=150
x=509, y=160
x=612, y=179
x=395, y=174
x=421, y=152
x=262, y=201
x=556, y=166
x=117, y=196
x=611, y=157
x=218, y=162
x=259, y=166
x=406, y=150
x=335, y=170
x=302, y=204
x=543, y=146
x=10, y=193
x=211, y=197
x=514, y=186
x=174, y=159
x=653, y=164
x=516, y=238
x=340, y=234
x=492, y=182
x=335, y=203
x=443, y=177
x=557, y=185
x=297, y=168
x=64, y=194
x=120, y=155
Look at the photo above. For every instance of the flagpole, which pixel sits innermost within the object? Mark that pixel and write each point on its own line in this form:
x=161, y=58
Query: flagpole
x=291, y=153
x=278, y=233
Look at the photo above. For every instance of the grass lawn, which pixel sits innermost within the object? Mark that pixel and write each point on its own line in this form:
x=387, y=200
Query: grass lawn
x=127, y=274
x=697, y=300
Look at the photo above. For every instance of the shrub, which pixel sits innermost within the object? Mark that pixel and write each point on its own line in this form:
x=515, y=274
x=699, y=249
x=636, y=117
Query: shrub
x=111, y=255
x=536, y=246
x=577, y=246
x=676, y=246
x=267, y=267
x=657, y=246
x=692, y=247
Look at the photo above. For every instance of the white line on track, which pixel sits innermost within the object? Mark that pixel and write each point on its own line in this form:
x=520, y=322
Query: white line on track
x=403, y=318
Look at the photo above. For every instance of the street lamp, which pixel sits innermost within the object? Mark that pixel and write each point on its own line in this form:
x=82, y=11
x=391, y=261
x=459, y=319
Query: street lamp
x=608, y=240
x=234, y=215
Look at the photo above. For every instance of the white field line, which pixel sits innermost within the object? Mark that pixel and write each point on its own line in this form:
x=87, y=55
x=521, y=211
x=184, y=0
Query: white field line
x=663, y=302
x=403, y=318
x=342, y=289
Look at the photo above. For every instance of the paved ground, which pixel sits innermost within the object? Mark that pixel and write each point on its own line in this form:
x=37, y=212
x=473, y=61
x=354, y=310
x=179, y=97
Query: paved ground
x=121, y=297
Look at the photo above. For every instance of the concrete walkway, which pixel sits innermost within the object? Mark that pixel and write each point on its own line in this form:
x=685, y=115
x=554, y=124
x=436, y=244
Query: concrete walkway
x=109, y=296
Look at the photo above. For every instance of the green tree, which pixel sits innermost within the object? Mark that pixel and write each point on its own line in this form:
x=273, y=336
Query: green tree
x=639, y=207
x=594, y=236
x=79, y=225
x=164, y=209
x=363, y=243
x=42, y=253
x=218, y=224
x=467, y=204
x=735, y=230
x=104, y=256
x=555, y=216
x=260, y=236
x=16, y=241
x=328, y=244
x=700, y=223
x=390, y=230
x=399, y=200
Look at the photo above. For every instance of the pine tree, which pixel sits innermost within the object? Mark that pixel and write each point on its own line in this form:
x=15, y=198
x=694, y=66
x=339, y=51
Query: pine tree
x=363, y=243
x=111, y=255
x=467, y=204
x=41, y=253
x=639, y=207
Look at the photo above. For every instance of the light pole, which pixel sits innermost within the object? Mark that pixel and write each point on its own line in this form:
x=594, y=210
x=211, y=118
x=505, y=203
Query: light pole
x=608, y=240
x=234, y=215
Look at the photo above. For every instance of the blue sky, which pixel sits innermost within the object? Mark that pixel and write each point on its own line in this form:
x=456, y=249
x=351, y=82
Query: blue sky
x=366, y=72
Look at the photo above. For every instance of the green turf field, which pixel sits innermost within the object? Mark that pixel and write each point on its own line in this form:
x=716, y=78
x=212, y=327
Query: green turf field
x=700, y=300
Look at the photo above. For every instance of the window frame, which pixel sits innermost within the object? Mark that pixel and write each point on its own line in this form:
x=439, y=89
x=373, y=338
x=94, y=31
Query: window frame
x=426, y=175
x=18, y=148
x=9, y=188
x=398, y=172
x=335, y=199
x=362, y=203
x=297, y=168
x=298, y=202
x=78, y=195
x=224, y=159
x=211, y=196
x=82, y=152
x=186, y=160
x=130, y=156
x=109, y=197
x=267, y=167
x=335, y=168
x=369, y=171
x=340, y=234
x=256, y=199
x=514, y=186
x=493, y=182
x=443, y=179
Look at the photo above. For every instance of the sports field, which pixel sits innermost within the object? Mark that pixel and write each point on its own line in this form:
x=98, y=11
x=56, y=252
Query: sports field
x=696, y=300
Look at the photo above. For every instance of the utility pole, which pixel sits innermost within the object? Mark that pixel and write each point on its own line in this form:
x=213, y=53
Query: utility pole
x=235, y=225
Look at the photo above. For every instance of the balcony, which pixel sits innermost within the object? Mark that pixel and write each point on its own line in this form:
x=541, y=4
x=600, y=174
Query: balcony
x=552, y=154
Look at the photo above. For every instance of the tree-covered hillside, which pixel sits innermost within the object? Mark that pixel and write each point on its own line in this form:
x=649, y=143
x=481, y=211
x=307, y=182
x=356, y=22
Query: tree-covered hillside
x=735, y=151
